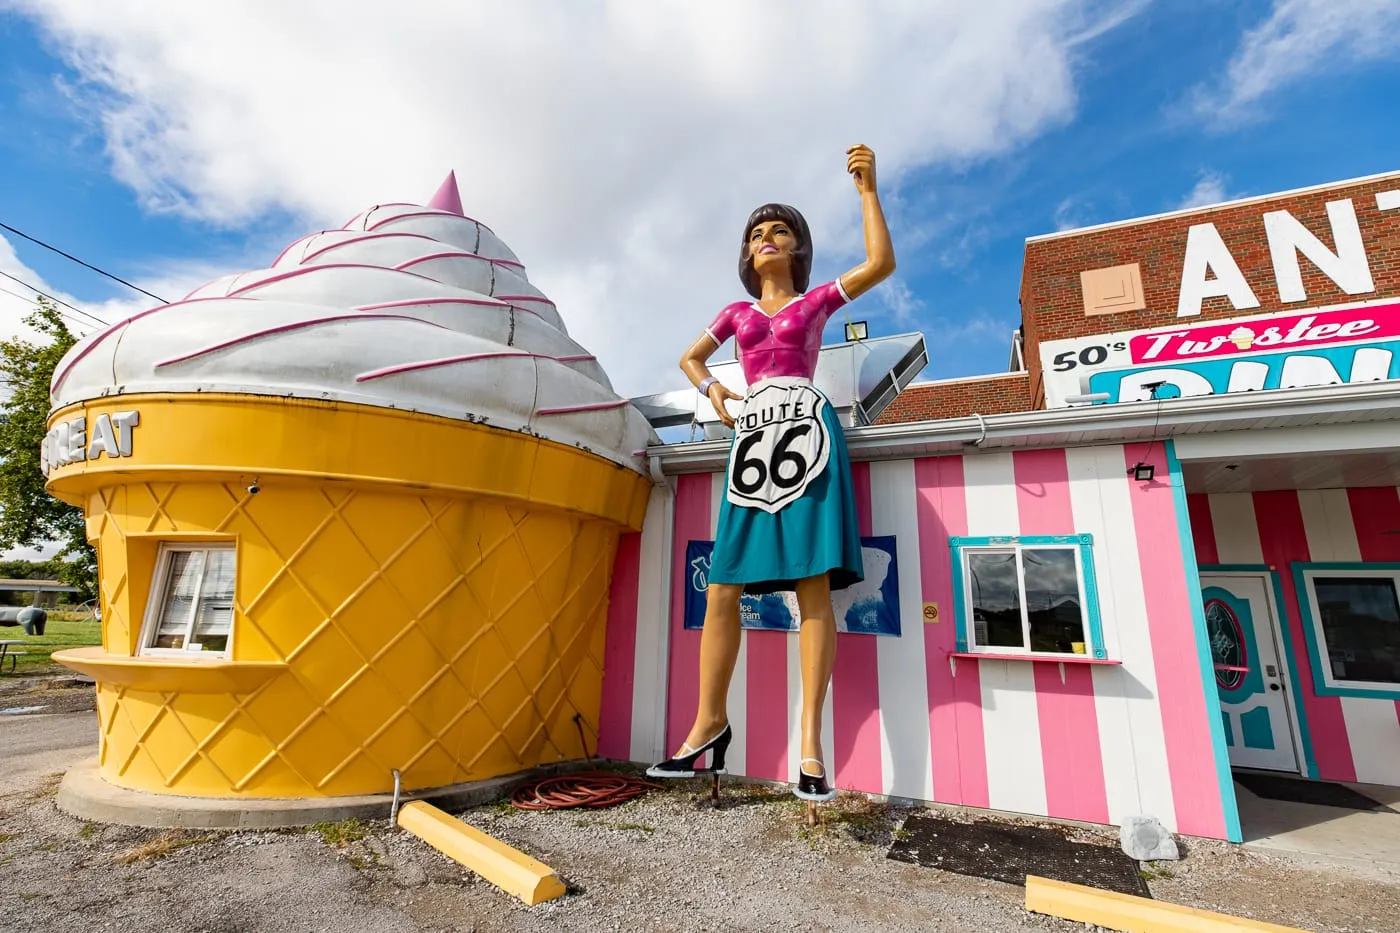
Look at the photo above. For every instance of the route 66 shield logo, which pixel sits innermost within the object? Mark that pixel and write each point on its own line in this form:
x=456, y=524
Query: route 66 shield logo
x=780, y=446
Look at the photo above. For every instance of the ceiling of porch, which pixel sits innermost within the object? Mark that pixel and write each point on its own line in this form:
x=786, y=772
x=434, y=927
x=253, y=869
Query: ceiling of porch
x=1297, y=471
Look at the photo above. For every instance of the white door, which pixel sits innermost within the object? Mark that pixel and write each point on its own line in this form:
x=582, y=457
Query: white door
x=1242, y=623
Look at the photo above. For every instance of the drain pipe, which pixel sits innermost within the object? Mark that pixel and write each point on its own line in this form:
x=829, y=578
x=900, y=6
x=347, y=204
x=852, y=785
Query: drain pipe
x=983, y=437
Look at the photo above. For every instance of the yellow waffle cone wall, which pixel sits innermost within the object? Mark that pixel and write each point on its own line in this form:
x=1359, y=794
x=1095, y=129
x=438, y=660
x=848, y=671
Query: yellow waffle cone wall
x=412, y=594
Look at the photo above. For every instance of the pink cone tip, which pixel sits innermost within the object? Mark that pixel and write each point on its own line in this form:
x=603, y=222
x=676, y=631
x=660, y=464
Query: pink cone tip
x=447, y=197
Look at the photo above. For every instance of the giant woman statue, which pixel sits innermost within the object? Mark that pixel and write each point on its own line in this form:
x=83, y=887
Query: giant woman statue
x=788, y=518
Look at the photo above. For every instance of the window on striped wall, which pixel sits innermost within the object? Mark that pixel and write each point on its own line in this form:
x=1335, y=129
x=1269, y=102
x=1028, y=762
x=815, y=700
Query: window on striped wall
x=1027, y=595
x=1352, y=626
x=191, y=606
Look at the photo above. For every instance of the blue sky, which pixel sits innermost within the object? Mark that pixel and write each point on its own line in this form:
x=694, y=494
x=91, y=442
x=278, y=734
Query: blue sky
x=1154, y=107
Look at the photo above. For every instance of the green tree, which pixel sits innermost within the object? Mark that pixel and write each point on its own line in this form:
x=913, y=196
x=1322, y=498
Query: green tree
x=29, y=516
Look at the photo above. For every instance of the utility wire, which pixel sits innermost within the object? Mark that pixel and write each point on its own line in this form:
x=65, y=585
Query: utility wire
x=80, y=262
x=59, y=301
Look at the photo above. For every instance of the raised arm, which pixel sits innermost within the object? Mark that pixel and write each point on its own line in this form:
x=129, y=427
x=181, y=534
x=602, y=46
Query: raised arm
x=879, y=251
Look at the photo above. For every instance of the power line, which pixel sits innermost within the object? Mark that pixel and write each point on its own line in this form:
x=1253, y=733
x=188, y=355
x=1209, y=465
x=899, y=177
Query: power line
x=60, y=301
x=81, y=263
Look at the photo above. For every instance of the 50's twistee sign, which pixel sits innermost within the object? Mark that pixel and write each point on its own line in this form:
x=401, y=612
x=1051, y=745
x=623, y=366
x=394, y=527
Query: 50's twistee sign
x=1074, y=367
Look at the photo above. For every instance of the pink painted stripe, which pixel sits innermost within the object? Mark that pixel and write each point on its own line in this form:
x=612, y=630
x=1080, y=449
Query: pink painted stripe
x=280, y=256
x=574, y=409
x=683, y=694
x=1069, y=723
x=362, y=239
x=957, y=744
x=411, y=302
x=458, y=254
x=445, y=361
x=310, y=270
x=855, y=686
x=405, y=216
x=620, y=652
x=119, y=325
x=1283, y=539
x=1375, y=511
x=766, y=716
x=509, y=298
x=298, y=325
x=1202, y=529
x=1181, y=694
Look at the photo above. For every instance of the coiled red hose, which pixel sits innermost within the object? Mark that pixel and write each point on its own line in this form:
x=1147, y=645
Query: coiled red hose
x=592, y=789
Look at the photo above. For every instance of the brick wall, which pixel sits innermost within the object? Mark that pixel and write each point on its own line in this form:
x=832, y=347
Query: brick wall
x=1052, y=306
x=985, y=395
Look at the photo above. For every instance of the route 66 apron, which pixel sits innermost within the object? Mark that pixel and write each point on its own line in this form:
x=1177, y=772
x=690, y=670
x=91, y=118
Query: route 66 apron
x=781, y=444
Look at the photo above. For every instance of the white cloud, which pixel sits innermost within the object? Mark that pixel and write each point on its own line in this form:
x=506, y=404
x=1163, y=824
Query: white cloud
x=617, y=146
x=1210, y=188
x=1299, y=38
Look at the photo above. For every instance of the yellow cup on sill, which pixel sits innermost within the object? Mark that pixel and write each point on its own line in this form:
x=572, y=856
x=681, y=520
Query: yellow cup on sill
x=1077, y=647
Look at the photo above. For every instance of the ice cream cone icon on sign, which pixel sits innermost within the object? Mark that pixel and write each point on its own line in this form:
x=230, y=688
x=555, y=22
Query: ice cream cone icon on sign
x=1242, y=337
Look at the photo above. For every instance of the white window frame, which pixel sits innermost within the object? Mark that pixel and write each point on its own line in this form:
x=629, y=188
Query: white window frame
x=1331, y=686
x=155, y=603
x=1087, y=593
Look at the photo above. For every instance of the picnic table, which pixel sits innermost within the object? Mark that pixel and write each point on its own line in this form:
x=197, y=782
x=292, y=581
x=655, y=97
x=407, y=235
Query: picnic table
x=5, y=644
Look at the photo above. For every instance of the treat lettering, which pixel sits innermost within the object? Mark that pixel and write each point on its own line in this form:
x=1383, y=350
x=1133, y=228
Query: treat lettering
x=757, y=419
x=70, y=441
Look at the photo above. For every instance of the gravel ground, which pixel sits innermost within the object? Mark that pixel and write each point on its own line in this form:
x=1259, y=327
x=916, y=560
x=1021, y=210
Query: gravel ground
x=667, y=862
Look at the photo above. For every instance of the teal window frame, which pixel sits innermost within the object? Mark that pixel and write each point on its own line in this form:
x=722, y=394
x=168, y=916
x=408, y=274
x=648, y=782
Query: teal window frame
x=1083, y=547
x=1323, y=682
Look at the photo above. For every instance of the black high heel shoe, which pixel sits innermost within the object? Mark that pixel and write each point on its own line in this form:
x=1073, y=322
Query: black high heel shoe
x=683, y=766
x=812, y=786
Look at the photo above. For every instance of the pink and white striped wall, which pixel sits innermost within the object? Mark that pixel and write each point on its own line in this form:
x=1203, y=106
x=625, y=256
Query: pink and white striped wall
x=903, y=718
x=1351, y=738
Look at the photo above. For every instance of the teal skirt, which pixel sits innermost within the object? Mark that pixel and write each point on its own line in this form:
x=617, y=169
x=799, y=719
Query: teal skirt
x=816, y=533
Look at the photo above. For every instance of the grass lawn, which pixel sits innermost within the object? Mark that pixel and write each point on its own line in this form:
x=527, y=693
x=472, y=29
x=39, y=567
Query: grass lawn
x=59, y=633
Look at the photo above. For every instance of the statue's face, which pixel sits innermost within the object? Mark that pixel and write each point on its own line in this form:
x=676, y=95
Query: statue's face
x=771, y=244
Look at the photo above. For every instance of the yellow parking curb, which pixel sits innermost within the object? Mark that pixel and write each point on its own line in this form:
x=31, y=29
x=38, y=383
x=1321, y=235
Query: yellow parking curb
x=508, y=869
x=1131, y=914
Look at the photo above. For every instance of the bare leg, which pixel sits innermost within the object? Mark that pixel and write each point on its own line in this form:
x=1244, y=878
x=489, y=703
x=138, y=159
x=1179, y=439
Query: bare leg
x=719, y=651
x=817, y=642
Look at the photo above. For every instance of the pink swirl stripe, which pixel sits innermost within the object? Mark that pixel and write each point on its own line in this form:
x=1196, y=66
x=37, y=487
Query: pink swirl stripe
x=365, y=214
x=571, y=409
x=362, y=239
x=458, y=254
x=387, y=220
x=307, y=270
x=297, y=325
x=290, y=246
x=468, y=358
x=484, y=301
x=540, y=298
x=445, y=361
x=77, y=358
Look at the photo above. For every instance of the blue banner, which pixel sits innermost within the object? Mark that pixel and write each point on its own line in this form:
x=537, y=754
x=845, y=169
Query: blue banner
x=870, y=607
x=1317, y=366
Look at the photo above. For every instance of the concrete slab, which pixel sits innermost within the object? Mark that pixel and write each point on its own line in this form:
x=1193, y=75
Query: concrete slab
x=1362, y=840
x=86, y=795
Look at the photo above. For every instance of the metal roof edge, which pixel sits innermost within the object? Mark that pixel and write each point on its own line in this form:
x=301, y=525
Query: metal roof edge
x=1204, y=208
x=1093, y=424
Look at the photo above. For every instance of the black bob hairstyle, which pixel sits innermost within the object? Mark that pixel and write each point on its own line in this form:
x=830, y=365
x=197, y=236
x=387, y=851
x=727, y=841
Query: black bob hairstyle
x=801, y=257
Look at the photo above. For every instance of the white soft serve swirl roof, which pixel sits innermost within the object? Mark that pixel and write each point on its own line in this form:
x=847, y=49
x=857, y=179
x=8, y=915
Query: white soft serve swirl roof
x=408, y=307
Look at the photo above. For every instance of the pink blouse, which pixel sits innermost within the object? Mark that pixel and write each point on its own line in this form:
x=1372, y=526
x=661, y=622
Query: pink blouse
x=786, y=344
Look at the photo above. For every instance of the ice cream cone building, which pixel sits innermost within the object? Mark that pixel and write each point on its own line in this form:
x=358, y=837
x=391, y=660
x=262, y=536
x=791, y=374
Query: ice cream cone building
x=356, y=514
